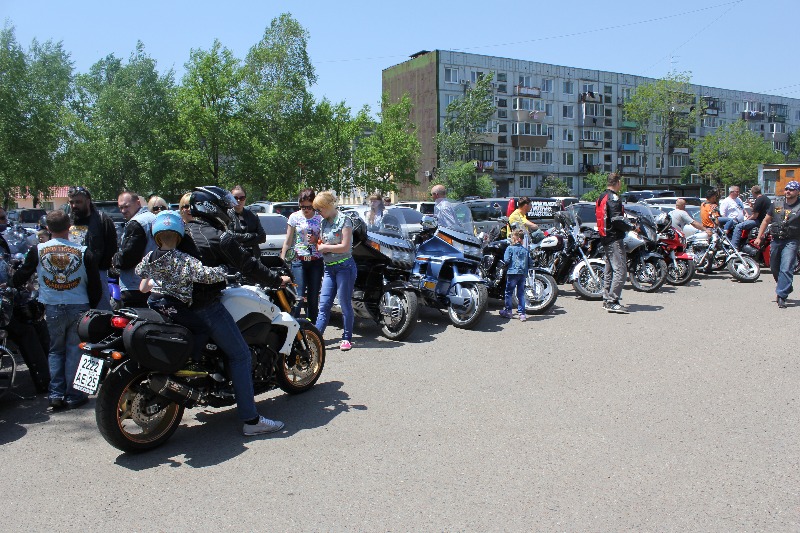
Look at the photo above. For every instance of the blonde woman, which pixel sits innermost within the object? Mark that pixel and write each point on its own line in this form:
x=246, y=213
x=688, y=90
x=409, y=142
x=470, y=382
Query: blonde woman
x=184, y=208
x=156, y=204
x=336, y=246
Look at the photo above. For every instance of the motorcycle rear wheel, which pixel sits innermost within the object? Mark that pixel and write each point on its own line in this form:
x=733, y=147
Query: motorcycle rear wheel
x=120, y=414
x=745, y=269
x=480, y=300
x=585, y=286
x=540, y=297
x=649, y=276
x=408, y=304
x=682, y=274
x=301, y=370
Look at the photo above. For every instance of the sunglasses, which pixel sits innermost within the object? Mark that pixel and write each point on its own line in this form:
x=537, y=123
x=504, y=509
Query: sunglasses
x=307, y=207
x=240, y=198
x=185, y=207
x=789, y=189
x=157, y=208
x=78, y=190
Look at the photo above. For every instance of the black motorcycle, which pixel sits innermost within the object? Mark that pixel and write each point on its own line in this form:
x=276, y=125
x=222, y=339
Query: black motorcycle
x=384, y=257
x=541, y=289
x=566, y=254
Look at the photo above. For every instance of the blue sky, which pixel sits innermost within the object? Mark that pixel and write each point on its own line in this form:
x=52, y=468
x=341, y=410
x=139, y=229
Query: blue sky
x=740, y=44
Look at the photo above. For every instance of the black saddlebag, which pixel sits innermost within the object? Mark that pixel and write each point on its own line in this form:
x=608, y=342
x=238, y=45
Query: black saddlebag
x=158, y=346
x=95, y=325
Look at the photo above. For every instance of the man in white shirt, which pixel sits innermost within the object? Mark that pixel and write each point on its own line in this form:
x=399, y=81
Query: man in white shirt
x=443, y=210
x=680, y=217
x=731, y=209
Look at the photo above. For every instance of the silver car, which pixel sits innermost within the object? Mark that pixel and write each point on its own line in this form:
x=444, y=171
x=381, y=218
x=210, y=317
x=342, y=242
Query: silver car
x=275, y=227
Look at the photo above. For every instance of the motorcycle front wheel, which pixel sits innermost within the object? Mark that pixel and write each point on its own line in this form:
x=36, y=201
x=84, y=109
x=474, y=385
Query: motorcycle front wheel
x=682, y=273
x=586, y=286
x=649, y=276
x=479, y=300
x=301, y=369
x=129, y=415
x=541, y=292
x=744, y=268
x=399, y=314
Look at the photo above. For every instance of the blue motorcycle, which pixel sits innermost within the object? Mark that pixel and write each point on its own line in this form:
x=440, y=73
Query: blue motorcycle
x=446, y=269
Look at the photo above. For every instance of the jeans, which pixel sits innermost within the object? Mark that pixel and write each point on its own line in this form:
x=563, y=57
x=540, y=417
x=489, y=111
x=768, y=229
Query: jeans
x=105, y=296
x=615, y=272
x=133, y=298
x=740, y=227
x=515, y=282
x=308, y=277
x=726, y=223
x=62, y=324
x=180, y=314
x=338, y=281
x=782, y=260
x=222, y=328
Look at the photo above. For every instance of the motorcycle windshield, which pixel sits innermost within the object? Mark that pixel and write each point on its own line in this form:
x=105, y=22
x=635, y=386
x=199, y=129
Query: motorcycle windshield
x=392, y=224
x=464, y=218
x=19, y=241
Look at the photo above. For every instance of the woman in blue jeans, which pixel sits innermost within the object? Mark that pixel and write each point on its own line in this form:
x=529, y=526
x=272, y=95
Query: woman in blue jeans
x=336, y=246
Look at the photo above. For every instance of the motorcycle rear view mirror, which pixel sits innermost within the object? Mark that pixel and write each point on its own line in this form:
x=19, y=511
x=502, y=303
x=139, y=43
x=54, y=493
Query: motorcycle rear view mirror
x=428, y=222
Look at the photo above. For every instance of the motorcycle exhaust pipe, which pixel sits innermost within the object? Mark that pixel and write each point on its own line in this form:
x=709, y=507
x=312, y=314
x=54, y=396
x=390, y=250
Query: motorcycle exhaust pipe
x=172, y=390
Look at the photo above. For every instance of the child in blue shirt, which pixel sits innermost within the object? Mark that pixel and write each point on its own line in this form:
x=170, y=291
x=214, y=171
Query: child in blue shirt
x=517, y=259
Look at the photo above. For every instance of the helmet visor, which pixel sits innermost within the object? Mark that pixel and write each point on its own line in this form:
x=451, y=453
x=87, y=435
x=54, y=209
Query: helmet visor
x=230, y=201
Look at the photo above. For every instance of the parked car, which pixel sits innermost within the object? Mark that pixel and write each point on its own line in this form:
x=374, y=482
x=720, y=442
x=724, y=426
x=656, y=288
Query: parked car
x=585, y=213
x=690, y=200
x=274, y=225
x=486, y=214
x=283, y=208
x=27, y=218
x=426, y=208
x=109, y=207
x=566, y=201
x=637, y=196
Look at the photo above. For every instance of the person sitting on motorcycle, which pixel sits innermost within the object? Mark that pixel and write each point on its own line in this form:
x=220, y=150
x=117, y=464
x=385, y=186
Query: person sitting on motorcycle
x=443, y=210
x=519, y=220
x=761, y=206
x=169, y=274
x=206, y=238
x=709, y=210
x=731, y=210
x=680, y=218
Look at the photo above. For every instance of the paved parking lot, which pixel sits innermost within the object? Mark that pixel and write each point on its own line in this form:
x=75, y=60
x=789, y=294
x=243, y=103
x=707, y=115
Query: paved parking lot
x=680, y=416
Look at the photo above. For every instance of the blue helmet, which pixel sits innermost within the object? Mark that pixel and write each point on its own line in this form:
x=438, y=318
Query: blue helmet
x=167, y=221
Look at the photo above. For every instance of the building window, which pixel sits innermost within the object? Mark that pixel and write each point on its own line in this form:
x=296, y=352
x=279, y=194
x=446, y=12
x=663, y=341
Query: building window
x=547, y=85
x=450, y=98
x=568, y=135
x=476, y=76
x=626, y=93
x=734, y=107
x=502, y=88
x=594, y=110
x=607, y=89
x=678, y=160
x=528, y=128
x=588, y=88
x=525, y=182
x=592, y=135
x=502, y=77
x=777, y=127
x=568, y=111
x=568, y=159
x=709, y=122
x=502, y=128
x=525, y=153
x=550, y=132
x=780, y=146
x=568, y=87
x=721, y=106
x=502, y=113
x=547, y=158
x=570, y=181
x=451, y=75
x=629, y=160
x=502, y=102
x=502, y=153
x=790, y=173
x=525, y=81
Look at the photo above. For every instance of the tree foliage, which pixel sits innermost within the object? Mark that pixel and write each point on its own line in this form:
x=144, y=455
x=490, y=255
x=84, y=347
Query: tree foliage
x=553, y=186
x=667, y=107
x=599, y=182
x=732, y=153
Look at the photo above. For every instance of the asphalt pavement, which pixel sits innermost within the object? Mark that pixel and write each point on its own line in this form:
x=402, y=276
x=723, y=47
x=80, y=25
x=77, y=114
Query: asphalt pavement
x=682, y=416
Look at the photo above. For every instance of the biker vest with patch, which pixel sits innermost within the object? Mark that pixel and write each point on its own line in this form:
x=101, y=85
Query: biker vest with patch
x=785, y=220
x=62, y=273
x=128, y=280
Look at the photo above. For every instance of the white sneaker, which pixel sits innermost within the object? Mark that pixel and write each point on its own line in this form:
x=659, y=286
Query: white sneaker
x=264, y=425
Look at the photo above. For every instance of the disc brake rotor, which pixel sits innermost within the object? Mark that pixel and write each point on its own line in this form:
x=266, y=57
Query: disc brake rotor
x=139, y=412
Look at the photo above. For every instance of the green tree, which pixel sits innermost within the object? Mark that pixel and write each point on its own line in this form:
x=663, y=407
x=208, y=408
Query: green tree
x=388, y=157
x=732, y=153
x=33, y=95
x=465, y=123
x=667, y=107
x=123, y=125
x=553, y=186
x=793, y=154
x=599, y=182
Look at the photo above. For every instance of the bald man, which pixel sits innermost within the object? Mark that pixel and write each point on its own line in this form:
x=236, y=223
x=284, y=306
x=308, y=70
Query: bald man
x=680, y=218
x=443, y=210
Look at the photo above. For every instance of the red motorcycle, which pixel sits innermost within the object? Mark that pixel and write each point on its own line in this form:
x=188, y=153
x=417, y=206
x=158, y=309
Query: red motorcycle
x=761, y=253
x=672, y=243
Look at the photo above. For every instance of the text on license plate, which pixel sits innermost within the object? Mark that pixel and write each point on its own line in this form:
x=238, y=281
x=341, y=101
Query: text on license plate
x=87, y=378
x=270, y=252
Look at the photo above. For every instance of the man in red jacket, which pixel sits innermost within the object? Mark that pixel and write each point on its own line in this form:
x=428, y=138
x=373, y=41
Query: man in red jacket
x=612, y=226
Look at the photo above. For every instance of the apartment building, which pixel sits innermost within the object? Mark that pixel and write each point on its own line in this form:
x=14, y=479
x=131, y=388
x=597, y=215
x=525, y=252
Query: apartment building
x=567, y=122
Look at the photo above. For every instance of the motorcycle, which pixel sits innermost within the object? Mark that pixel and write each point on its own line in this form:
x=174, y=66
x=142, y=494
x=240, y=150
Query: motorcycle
x=646, y=266
x=672, y=243
x=135, y=356
x=565, y=253
x=445, y=269
x=718, y=252
x=761, y=253
x=382, y=291
x=541, y=289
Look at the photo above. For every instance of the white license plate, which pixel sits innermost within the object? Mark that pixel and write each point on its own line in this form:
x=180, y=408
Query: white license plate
x=270, y=252
x=87, y=378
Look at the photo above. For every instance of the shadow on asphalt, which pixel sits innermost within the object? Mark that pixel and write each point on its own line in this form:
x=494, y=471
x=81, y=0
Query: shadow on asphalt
x=20, y=407
x=633, y=308
x=218, y=437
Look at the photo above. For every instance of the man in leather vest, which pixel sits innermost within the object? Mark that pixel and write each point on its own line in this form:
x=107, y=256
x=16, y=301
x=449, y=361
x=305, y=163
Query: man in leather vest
x=784, y=217
x=137, y=241
x=69, y=284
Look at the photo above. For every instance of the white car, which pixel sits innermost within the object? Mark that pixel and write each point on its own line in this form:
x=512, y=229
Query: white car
x=275, y=227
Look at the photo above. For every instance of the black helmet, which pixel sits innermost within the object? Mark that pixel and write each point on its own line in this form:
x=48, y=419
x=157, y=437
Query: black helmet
x=211, y=203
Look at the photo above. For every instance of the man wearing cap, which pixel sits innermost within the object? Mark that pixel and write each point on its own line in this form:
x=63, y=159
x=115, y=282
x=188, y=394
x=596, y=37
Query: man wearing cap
x=761, y=205
x=785, y=230
x=136, y=242
x=96, y=231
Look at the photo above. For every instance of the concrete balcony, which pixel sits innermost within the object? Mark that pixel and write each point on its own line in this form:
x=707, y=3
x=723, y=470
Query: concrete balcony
x=525, y=115
x=753, y=116
x=778, y=137
x=533, y=92
x=487, y=138
x=588, y=169
x=629, y=169
x=591, y=97
x=531, y=141
x=587, y=144
x=711, y=112
x=628, y=147
x=777, y=118
x=629, y=125
x=592, y=121
x=679, y=150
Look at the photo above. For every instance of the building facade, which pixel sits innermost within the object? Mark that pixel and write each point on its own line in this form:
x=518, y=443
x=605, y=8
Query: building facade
x=567, y=122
